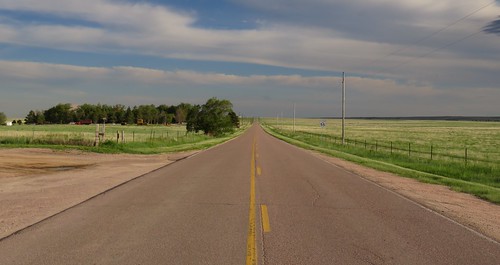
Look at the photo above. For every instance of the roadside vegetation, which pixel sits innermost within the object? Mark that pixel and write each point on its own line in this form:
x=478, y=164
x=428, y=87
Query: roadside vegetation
x=149, y=137
x=462, y=155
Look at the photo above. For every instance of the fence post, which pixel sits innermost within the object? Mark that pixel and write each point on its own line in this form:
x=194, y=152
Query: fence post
x=365, y=143
x=431, y=151
x=123, y=136
x=96, y=141
x=465, y=156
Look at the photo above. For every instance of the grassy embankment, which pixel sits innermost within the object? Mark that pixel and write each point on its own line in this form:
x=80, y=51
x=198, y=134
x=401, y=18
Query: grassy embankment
x=149, y=139
x=462, y=155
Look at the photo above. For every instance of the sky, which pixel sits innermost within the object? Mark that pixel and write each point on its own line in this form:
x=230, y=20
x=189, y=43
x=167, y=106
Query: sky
x=401, y=57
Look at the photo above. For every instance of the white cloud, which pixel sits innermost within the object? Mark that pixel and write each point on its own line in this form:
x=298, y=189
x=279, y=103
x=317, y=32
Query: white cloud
x=161, y=31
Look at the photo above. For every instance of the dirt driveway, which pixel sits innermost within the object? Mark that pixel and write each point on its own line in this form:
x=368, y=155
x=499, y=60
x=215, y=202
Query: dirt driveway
x=38, y=183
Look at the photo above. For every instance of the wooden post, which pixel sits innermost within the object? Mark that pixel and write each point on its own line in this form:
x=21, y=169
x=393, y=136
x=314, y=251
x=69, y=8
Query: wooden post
x=117, y=136
x=466, y=156
x=96, y=140
x=123, y=136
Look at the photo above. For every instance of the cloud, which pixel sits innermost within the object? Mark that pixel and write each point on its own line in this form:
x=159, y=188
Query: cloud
x=493, y=27
x=335, y=36
x=331, y=35
x=42, y=85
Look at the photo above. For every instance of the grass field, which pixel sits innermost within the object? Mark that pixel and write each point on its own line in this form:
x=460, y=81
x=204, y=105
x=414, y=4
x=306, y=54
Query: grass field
x=137, y=139
x=464, y=155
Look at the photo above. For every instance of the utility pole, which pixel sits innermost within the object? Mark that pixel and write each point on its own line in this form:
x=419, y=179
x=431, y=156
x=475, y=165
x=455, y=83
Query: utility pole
x=293, y=117
x=343, y=108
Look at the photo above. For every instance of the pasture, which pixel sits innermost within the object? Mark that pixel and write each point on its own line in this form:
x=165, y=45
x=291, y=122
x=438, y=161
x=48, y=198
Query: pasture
x=136, y=139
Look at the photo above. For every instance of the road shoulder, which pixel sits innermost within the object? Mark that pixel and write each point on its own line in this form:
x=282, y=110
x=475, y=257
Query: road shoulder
x=470, y=211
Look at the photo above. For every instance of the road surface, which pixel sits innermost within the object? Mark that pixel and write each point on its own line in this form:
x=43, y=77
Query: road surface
x=252, y=200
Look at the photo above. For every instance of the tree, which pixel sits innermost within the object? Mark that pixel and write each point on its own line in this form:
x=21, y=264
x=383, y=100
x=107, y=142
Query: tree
x=192, y=124
x=235, y=120
x=19, y=122
x=61, y=113
x=30, y=118
x=40, y=118
x=181, y=112
x=3, y=118
x=213, y=118
x=129, y=116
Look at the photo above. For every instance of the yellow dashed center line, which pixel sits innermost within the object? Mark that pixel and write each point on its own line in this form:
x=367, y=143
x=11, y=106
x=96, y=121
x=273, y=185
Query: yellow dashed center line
x=265, y=219
x=251, y=239
x=259, y=171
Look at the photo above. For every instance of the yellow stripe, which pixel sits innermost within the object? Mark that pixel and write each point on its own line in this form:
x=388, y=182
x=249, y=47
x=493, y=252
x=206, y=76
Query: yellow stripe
x=265, y=219
x=251, y=239
x=259, y=171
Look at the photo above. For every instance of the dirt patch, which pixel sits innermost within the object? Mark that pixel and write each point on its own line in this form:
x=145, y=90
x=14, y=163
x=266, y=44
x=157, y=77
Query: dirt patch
x=38, y=183
x=477, y=214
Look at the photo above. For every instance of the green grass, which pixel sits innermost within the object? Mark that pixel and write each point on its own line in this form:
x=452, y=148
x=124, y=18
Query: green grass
x=479, y=176
x=138, y=139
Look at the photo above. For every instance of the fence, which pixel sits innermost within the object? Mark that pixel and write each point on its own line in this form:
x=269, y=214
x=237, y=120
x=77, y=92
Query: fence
x=430, y=152
x=87, y=138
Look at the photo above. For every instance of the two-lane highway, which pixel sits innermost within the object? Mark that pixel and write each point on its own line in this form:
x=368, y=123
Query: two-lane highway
x=252, y=200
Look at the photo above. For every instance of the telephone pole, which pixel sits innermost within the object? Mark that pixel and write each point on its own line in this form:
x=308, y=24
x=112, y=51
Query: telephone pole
x=294, y=117
x=343, y=108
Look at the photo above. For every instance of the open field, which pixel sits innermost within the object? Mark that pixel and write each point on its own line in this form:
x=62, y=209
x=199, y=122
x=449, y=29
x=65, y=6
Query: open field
x=463, y=155
x=137, y=139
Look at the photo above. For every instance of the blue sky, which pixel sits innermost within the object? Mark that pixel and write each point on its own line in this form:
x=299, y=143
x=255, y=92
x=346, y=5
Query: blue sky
x=402, y=58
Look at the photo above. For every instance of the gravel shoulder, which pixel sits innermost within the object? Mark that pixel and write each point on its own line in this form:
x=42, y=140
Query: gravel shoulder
x=470, y=211
x=38, y=183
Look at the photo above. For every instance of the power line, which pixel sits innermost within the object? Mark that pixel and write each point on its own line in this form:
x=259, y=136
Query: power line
x=433, y=51
x=432, y=34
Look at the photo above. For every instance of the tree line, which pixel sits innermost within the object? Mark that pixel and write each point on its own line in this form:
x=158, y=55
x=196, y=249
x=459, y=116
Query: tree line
x=65, y=113
x=215, y=117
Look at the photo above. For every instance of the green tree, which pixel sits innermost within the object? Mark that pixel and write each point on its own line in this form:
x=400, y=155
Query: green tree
x=30, y=118
x=181, y=112
x=235, y=120
x=129, y=116
x=19, y=122
x=3, y=118
x=213, y=118
x=192, y=124
x=61, y=113
x=40, y=118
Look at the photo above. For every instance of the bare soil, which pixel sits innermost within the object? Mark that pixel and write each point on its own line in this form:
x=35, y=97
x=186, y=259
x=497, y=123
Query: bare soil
x=38, y=183
x=468, y=210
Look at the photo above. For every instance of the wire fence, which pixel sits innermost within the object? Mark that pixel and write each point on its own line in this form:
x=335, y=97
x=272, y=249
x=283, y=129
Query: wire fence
x=412, y=150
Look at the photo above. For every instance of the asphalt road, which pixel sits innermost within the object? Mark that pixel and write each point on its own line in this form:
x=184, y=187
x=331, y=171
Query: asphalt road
x=252, y=200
